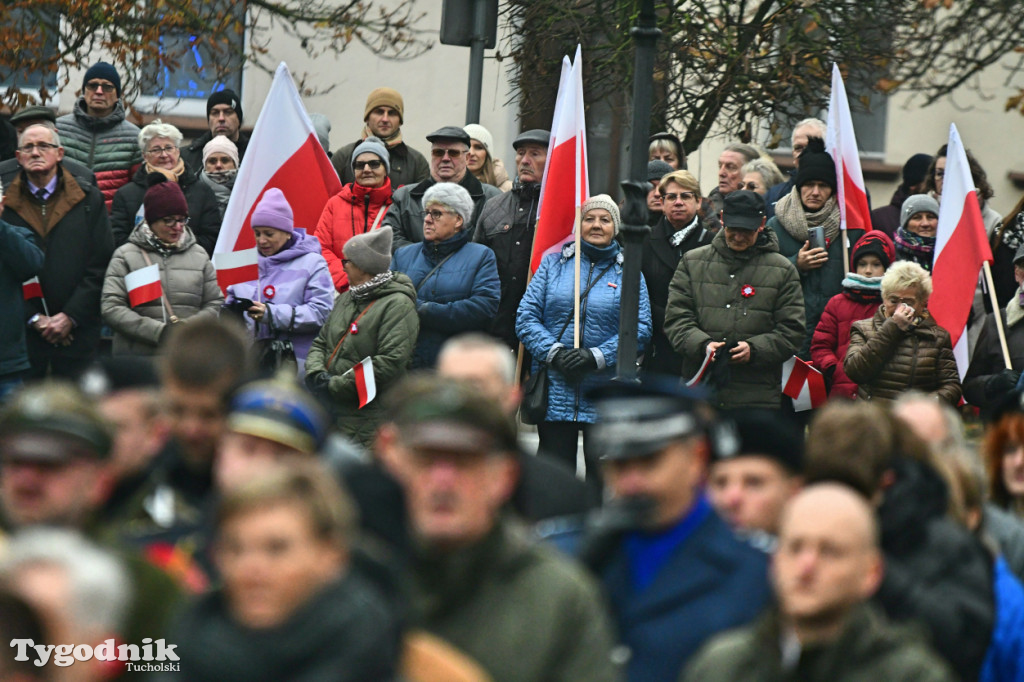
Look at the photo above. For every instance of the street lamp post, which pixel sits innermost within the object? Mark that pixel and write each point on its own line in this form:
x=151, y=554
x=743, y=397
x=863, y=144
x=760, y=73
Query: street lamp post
x=634, y=211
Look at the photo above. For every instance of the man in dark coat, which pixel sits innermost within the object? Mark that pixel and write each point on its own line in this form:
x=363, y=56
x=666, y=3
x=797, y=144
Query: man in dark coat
x=69, y=221
x=224, y=117
x=887, y=218
x=506, y=224
x=448, y=163
x=678, y=230
x=828, y=564
x=384, y=116
x=673, y=570
x=809, y=127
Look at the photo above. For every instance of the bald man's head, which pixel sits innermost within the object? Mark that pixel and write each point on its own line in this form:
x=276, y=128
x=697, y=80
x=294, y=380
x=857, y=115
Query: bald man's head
x=828, y=559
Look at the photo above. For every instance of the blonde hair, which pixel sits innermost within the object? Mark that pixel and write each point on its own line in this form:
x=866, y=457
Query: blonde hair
x=683, y=178
x=906, y=274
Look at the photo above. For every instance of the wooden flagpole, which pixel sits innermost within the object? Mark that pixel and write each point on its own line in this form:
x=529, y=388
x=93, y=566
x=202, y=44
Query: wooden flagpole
x=576, y=293
x=998, y=315
x=846, y=252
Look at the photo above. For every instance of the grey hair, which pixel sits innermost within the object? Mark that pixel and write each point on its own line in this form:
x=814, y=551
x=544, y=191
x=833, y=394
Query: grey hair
x=159, y=129
x=504, y=361
x=451, y=196
x=767, y=168
x=820, y=127
x=101, y=588
x=747, y=151
x=955, y=439
x=54, y=135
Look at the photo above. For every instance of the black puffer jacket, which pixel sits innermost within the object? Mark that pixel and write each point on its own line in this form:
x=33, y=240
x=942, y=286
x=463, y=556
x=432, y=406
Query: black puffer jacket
x=936, y=572
x=506, y=224
x=203, y=210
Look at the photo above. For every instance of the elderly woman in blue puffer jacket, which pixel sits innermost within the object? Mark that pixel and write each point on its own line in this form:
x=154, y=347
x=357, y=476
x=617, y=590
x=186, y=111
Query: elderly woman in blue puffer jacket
x=541, y=324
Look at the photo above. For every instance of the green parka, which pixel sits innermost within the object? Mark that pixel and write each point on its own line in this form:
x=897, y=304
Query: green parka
x=386, y=332
x=867, y=650
x=718, y=294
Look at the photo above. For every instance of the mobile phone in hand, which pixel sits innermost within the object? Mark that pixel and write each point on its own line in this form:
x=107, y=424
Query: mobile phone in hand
x=816, y=237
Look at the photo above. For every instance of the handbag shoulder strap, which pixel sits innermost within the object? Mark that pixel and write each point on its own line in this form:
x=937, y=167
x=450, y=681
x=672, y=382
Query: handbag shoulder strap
x=429, y=274
x=376, y=220
x=583, y=296
x=171, y=317
x=330, y=360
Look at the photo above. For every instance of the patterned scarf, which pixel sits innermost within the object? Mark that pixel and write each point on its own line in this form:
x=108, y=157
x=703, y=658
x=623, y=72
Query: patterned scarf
x=795, y=219
x=160, y=246
x=361, y=292
x=914, y=247
x=679, y=236
x=863, y=289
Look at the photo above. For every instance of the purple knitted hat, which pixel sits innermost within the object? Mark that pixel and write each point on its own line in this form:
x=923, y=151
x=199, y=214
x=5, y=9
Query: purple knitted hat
x=274, y=211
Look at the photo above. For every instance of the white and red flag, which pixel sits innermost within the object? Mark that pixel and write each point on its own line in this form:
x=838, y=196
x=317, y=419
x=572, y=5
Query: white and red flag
x=366, y=386
x=804, y=384
x=961, y=249
x=283, y=152
x=143, y=285
x=841, y=143
x=31, y=288
x=564, y=187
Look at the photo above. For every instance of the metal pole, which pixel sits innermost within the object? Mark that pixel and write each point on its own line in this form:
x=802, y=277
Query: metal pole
x=634, y=211
x=476, y=61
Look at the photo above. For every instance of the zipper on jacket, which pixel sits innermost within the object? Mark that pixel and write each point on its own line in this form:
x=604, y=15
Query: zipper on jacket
x=913, y=363
x=366, y=213
x=583, y=324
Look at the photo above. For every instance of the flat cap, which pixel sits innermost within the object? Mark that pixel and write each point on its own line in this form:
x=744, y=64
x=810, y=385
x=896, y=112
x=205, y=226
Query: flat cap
x=535, y=136
x=53, y=421
x=34, y=113
x=744, y=210
x=449, y=134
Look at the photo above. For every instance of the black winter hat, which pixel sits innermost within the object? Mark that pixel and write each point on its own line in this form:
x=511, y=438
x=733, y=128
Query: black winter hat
x=764, y=433
x=816, y=164
x=225, y=96
x=915, y=169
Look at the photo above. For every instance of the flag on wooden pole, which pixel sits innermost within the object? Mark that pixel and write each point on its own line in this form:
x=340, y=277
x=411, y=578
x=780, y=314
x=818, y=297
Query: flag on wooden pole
x=841, y=143
x=143, y=285
x=564, y=186
x=961, y=249
x=283, y=152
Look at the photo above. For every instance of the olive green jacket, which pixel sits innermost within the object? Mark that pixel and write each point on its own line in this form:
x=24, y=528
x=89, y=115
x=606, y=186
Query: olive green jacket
x=386, y=332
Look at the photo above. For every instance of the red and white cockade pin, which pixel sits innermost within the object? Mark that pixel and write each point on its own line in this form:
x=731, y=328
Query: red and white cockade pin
x=269, y=291
x=747, y=291
x=354, y=329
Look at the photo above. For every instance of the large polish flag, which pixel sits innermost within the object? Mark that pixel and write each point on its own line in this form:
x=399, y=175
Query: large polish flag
x=564, y=187
x=841, y=143
x=143, y=285
x=283, y=152
x=961, y=250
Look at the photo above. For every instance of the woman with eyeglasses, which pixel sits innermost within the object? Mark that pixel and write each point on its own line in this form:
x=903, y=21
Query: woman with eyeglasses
x=456, y=280
x=161, y=277
x=292, y=295
x=160, y=144
x=486, y=168
x=901, y=347
x=358, y=208
x=679, y=230
x=760, y=175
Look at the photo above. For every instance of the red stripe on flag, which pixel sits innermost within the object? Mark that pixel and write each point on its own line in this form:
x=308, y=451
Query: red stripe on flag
x=32, y=289
x=955, y=271
x=858, y=215
x=558, y=212
x=145, y=293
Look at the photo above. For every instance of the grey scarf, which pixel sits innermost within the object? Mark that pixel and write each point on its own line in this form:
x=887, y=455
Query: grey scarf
x=795, y=219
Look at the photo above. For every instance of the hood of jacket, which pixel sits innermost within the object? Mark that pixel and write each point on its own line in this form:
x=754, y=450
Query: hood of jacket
x=298, y=245
x=356, y=194
x=139, y=238
x=767, y=242
x=435, y=251
x=98, y=122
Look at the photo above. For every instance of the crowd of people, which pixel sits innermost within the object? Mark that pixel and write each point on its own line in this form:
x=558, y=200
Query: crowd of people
x=322, y=473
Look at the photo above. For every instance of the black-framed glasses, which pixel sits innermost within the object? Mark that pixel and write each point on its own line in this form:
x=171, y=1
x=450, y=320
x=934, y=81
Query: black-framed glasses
x=670, y=197
x=345, y=261
x=440, y=153
x=171, y=221
x=42, y=147
x=93, y=86
x=157, y=151
x=434, y=213
x=373, y=165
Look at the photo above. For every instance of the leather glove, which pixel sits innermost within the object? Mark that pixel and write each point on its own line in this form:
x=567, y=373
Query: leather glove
x=1002, y=383
x=579, y=362
x=318, y=384
x=558, y=360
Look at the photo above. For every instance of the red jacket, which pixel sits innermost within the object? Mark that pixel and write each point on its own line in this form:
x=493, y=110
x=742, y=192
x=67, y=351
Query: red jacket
x=351, y=211
x=832, y=338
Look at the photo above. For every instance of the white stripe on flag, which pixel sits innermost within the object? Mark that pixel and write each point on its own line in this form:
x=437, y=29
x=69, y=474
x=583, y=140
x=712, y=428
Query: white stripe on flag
x=230, y=260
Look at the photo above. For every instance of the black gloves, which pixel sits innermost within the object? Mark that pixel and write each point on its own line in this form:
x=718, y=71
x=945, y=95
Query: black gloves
x=576, y=363
x=1002, y=383
x=559, y=358
x=318, y=384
